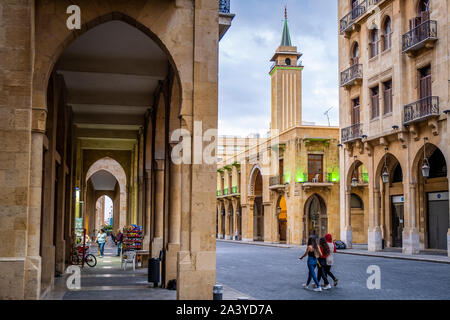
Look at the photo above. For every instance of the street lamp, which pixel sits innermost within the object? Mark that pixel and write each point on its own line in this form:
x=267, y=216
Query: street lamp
x=426, y=164
x=385, y=174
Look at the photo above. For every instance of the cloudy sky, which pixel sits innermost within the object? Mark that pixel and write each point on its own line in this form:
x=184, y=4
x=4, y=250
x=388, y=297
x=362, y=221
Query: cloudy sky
x=245, y=51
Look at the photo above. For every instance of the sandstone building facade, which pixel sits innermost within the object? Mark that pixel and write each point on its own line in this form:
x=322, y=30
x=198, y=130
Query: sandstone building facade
x=394, y=96
x=283, y=188
x=111, y=92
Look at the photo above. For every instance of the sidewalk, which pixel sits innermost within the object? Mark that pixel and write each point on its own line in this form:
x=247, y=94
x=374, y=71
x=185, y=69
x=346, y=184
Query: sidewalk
x=261, y=243
x=107, y=281
x=360, y=250
x=424, y=256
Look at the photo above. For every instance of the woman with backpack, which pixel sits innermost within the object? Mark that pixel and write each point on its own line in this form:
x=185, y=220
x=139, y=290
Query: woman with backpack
x=322, y=263
x=313, y=252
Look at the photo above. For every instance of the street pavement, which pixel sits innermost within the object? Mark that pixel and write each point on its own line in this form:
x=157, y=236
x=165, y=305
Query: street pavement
x=275, y=273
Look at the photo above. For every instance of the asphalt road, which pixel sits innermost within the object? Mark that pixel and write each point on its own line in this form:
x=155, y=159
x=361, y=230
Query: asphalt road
x=272, y=273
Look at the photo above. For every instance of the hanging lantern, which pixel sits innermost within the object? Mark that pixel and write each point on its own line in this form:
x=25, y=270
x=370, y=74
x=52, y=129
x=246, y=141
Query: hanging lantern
x=354, y=179
x=385, y=174
x=425, y=169
x=385, y=177
x=278, y=211
x=426, y=165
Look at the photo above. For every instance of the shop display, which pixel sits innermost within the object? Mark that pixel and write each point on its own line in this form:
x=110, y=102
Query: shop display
x=132, y=238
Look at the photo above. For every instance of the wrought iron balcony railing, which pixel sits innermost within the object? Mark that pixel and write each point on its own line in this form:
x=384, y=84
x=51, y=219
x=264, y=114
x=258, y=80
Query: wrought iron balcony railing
x=351, y=133
x=224, y=6
x=418, y=37
x=349, y=76
x=349, y=19
x=421, y=110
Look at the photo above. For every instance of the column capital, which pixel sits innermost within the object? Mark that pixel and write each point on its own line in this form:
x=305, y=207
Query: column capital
x=38, y=120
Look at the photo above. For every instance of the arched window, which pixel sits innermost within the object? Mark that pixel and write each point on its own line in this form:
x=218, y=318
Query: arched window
x=355, y=54
x=288, y=61
x=387, y=33
x=373, y=43
x=356, y=202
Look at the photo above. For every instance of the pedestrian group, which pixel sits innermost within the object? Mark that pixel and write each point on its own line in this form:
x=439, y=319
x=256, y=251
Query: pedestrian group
x=320, y=255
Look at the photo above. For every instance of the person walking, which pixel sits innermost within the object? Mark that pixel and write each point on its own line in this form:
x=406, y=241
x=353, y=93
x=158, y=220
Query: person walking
x=313, y=252
x=101, y=240
x=119, y=238
x=330, y=258
x=322, y=263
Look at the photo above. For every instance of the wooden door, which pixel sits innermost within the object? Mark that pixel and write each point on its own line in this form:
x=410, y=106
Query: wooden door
x=315, y=165
x=355, y=112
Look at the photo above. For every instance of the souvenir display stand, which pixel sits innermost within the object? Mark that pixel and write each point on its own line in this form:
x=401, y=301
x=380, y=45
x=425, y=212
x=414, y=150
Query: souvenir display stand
x=132, y=241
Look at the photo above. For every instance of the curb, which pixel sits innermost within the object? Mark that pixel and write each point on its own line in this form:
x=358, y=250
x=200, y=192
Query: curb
x=395, y=257
x=263, y=244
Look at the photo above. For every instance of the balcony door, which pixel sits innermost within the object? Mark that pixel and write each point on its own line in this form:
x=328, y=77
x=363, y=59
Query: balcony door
x=315, y=167
x=425, y=91
x=355, y=111
x=425, y=82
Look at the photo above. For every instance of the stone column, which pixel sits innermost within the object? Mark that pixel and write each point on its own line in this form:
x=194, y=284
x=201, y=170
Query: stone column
x=157, y=243
x=32, y=276
x=220, y=235
x=411, y=242
x=346, y=234
x=247, y=221
x=374, y=239
x=174, y=221
x=235, y=220
x=148, y=210
x=227, y=220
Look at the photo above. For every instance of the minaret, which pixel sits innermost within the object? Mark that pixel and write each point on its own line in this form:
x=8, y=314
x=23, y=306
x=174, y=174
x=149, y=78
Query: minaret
x=286, y=73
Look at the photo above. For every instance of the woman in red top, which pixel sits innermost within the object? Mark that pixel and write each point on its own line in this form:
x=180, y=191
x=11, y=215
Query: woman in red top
x=325, y=249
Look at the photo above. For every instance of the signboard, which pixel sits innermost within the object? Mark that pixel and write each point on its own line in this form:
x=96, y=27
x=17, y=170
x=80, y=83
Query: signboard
x=78, y=223
x=398, y=199
x=438, y=196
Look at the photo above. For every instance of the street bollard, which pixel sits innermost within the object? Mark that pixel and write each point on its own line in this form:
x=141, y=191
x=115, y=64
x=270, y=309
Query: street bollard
x=218, y=292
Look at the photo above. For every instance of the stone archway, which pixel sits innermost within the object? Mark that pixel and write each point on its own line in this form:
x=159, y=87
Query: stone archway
x=115, y=169
x=432, y=197
x=282, y=219
x=392, y=200
x=256, y=191
x=315, y=217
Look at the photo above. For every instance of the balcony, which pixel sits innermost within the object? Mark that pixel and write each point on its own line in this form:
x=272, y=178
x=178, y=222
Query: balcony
x=352, y=76
x=420, y=110
x=225, y=17
x=351, y=133
x=424, y=35
x=347, y=22
x=276, y=182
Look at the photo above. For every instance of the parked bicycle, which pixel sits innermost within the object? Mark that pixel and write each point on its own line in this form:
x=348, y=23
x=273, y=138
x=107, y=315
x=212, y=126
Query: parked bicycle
x=77, y=256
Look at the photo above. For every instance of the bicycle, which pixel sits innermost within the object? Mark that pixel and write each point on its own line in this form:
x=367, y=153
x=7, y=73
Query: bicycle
x=77, y=257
